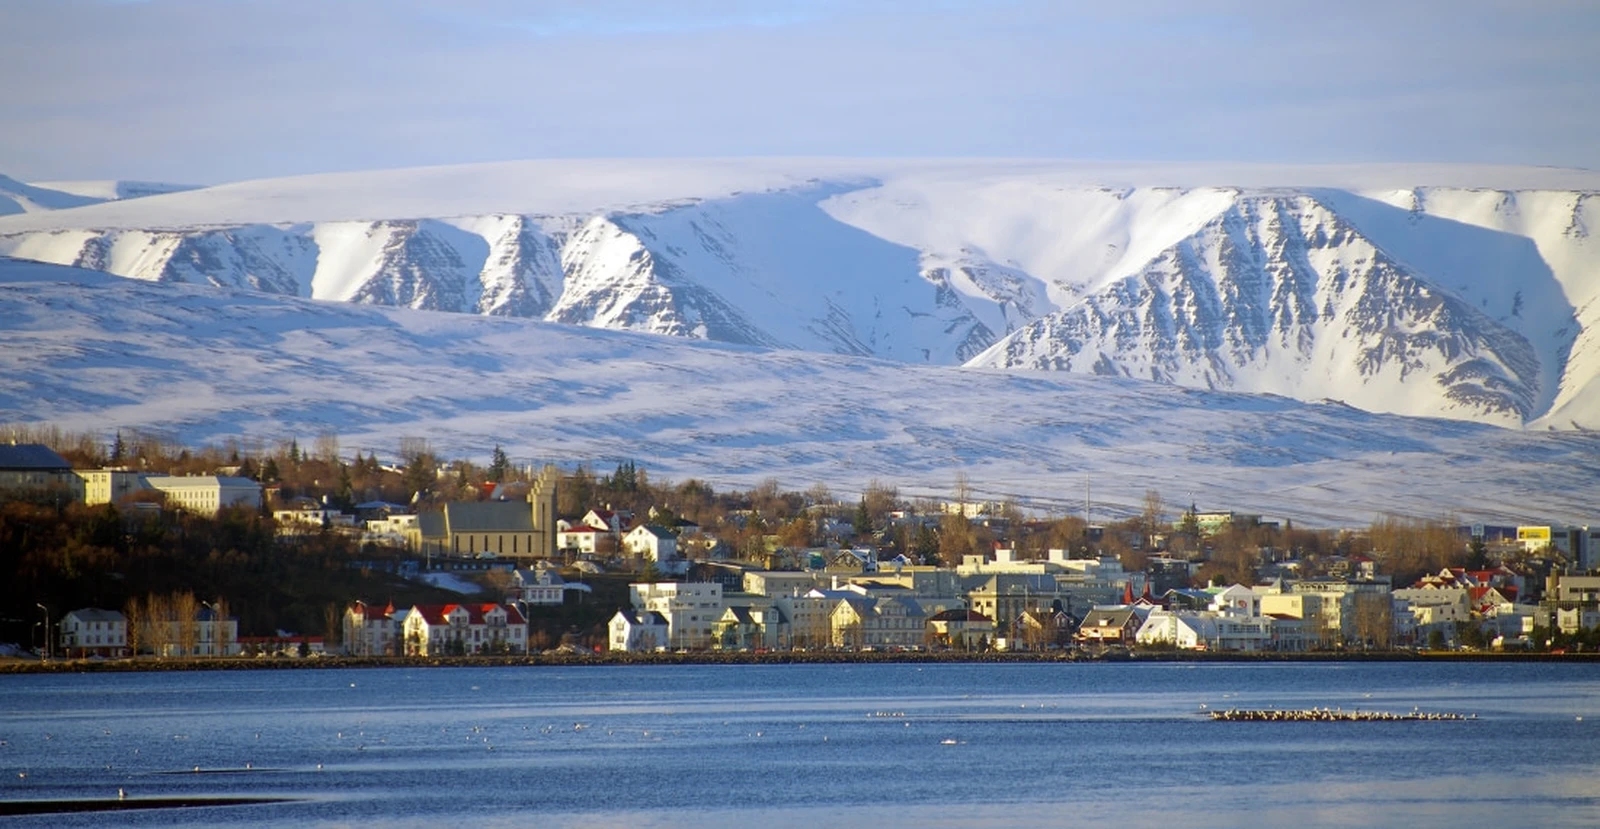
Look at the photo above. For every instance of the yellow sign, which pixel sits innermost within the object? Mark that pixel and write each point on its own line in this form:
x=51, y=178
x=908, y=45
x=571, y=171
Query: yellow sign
x=1533, y=533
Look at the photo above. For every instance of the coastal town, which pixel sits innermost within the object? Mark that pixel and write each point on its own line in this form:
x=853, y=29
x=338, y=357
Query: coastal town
x=549, y=561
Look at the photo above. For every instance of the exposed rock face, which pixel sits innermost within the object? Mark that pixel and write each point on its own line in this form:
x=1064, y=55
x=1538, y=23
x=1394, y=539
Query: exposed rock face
x=1280, y=295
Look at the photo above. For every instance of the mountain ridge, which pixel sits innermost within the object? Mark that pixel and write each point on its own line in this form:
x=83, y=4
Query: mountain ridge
x=1495, y=293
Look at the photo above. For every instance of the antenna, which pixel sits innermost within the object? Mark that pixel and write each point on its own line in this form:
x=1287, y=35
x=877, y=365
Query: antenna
x=1086, y=502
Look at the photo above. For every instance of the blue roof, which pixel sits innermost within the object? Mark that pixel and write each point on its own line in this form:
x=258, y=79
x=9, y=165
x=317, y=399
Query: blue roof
x=31, y=456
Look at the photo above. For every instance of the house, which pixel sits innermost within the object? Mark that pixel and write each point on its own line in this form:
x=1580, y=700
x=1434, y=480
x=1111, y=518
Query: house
x=370, y=630
x=853, y=561
x=864, y=622
x=1048, y=628
x=543, y=586
x=608, y=520
x=35, y=466
x=1188, y=630
x=657, y=545
x=961, y=628
x=312, y=518
x=494, y=529
x=638, y=631
x=580, y=539
x=396, y=529
x=748, y=627
x=206, y=494
x=94, y=632
x=462, y=629
x=1236, y=600
x=1115, y=626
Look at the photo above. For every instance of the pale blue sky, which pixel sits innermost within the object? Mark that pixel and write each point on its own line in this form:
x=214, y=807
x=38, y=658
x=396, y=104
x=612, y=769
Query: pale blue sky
x=206, y=91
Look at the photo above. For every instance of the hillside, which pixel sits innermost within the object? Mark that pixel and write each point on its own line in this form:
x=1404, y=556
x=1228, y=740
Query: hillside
x=90, y=352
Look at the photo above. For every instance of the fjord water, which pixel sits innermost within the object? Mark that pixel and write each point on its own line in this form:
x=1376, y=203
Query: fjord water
x=812, y=745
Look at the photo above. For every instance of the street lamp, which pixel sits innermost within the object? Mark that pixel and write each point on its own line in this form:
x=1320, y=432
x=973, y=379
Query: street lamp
x=46, y=629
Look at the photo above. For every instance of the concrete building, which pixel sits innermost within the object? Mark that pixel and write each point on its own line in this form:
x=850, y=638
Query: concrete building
x=690, y=608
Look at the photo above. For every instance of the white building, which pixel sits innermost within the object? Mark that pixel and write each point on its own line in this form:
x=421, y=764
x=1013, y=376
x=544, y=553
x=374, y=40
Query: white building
x=637, y=631
x=657, y=545
x=691, y=609
x=395, y=530
x=315, y=519
x=1205, y=631
x=462, y=629
x=370, y=630
x=108, y=486
x=581, y=539
x=543, y=586
x=205, y=494
x=94, y=632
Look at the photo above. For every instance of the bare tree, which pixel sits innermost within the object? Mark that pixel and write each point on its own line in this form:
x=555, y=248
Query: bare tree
x=159, y=625
x=881, y=499
x=1153, y=517
x=327, y=446
x=186, y=612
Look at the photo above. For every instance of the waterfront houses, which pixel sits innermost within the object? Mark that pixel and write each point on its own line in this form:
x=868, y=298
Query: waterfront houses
x=463, y=629
x=93, y=632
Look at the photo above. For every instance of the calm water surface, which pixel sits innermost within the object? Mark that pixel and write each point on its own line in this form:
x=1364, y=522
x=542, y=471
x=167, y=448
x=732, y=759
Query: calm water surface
x=816, y=745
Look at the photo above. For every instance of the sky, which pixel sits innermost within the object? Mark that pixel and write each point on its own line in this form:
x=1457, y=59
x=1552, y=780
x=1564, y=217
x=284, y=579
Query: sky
x=208, y=91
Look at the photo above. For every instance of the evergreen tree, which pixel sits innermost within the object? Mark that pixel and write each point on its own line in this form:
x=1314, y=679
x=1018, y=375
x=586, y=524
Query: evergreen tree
x=119, y=451
x=863, y=518
x=345, y=498
x=1190, y=525
x=499, y=466
x=269, y=471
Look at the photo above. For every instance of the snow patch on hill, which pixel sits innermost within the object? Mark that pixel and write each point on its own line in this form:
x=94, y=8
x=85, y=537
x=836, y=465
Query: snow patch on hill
x=92, y=353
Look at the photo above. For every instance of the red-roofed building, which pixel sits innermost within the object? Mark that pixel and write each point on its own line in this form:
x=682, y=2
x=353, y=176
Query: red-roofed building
x=371, y=630
x=461, y=629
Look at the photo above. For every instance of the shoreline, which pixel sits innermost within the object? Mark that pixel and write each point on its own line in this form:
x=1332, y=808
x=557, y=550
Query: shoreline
x=559, y=659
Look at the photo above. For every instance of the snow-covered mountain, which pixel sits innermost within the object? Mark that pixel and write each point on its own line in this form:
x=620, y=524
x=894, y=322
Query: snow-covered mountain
x=88, y=352
x=1279, y=294
x=1463, y=292
x=21, y=197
